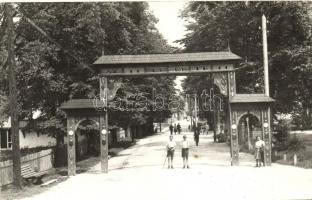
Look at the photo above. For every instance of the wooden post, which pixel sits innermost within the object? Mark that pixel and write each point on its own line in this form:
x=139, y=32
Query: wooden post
x=295, y=159
x=234, y=137
x=71, y=146
x=104, y=125
x=285, y=157
x=265, y=57
x=248, y=133
x=195, y=110
x=17, y=179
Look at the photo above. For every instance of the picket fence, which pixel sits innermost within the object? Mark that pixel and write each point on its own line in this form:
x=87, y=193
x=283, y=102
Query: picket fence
x=40, y=161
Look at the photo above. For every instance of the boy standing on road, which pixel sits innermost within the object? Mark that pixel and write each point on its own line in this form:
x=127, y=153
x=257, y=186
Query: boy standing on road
x=185, y=152
x=170, y=151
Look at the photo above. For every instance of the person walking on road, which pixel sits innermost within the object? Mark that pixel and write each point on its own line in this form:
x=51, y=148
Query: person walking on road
x=170, y=151
x=196, y=134
x=185, y=152
x=171, y=129
x=175, y=129
x=207, y=129
x=179, y=128
x=259, y=145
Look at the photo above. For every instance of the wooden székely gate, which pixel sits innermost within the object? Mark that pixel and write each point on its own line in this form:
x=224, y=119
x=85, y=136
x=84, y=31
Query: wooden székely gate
x=220, y=65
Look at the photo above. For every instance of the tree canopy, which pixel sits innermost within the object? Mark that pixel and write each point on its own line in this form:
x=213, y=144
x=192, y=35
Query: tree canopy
x=54, y=64
x=236, y=26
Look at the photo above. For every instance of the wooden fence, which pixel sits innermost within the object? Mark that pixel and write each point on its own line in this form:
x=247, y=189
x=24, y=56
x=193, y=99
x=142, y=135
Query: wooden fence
x=40, y=161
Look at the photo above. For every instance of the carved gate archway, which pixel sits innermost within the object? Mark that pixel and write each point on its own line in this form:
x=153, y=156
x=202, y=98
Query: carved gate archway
x=219, y=65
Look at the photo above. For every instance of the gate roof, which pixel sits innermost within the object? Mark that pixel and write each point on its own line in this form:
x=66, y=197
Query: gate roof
x=167, y=58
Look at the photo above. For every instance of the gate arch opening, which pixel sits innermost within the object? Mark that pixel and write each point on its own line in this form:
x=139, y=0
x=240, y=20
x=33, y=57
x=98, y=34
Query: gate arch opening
x=87, y=139
x=249, y=127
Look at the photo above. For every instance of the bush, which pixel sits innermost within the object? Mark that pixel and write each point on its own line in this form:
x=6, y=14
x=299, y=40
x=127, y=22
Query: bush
x=284, y=141
x=294, y=144
x=221, y=137
x=281, y=137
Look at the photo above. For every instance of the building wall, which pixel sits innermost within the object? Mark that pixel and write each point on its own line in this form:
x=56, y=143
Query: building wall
x=32, y=139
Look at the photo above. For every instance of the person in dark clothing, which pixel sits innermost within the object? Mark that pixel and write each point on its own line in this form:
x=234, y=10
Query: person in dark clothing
x=171, y=129
x=175, y=129
x=179, y=128
x=196, y=134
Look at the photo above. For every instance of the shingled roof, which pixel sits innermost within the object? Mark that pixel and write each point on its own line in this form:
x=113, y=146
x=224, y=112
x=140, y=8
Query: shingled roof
x=251, y=98
x=166, y=58
x=78, y=104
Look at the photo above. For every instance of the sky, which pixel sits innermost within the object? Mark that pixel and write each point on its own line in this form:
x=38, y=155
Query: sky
x=170, y=25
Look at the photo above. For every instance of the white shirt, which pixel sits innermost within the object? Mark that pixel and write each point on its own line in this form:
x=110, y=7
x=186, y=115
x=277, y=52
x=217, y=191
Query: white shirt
x=171, y=144
x=259, y=144
x=185, y=144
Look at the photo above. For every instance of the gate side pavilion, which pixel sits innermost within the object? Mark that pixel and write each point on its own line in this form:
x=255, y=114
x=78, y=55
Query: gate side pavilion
x=219, y=65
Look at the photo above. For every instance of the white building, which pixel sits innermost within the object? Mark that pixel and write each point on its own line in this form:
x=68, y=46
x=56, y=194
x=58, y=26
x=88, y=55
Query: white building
x=27, y=139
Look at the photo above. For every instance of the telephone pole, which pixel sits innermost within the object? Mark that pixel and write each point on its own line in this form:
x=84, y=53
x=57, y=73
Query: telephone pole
x=13, y=97
x=265, y=56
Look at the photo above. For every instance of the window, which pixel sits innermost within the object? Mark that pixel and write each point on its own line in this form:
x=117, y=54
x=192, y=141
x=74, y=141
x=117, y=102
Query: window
x=5, y=139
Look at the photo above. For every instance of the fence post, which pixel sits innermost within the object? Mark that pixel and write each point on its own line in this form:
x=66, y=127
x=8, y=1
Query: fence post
x=39, y=161
x=285, y=157
x=295, y=159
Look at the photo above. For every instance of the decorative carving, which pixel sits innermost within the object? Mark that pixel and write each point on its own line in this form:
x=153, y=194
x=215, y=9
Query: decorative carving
x=220, y=79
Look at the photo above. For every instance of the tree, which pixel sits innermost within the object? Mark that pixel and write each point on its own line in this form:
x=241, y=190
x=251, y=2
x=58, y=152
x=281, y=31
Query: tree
x=17, y=178
x=49, y=65
x=235, y=26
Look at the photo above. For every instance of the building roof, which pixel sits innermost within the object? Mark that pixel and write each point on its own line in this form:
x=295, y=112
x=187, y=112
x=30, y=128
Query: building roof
x=251, y=98
x=78, y=104
x=166, y=58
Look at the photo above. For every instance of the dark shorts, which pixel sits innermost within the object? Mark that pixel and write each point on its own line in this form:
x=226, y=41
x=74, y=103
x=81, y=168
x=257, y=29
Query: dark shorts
x=185, y=153
x=170, y=153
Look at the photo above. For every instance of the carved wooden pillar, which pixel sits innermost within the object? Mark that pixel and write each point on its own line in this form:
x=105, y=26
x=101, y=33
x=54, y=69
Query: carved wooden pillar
x=103, y=125
x=71, y=146
x=232, y=84
x=266, y=134
x=234, y=139
x=103, y=143
x=233, y=120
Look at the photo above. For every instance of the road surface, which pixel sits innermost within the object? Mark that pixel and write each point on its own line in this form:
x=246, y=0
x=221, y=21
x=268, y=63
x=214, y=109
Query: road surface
x=138, y=173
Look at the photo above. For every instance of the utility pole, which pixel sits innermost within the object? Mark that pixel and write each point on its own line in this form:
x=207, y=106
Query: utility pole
x=196, y=110
x=13, y=97
x=265, y=56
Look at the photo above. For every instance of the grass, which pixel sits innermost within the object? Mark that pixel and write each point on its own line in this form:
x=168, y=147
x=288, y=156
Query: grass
x=304, y=156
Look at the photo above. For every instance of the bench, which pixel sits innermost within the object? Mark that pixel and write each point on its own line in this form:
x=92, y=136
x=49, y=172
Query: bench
x=28, y=173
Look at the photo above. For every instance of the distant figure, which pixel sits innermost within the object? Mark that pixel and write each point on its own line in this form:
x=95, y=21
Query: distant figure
x=170, y=151
x=179, y=128
x=259, y=145
x=203, y=129
x=175, y=129
x=171, y=129
x=185, y=152
x=196, y=134
x=207, y=129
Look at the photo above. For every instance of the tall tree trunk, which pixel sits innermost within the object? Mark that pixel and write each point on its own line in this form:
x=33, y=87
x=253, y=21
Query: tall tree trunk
x=13, y=98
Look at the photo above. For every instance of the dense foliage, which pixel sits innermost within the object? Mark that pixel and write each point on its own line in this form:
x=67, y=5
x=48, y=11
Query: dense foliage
x=236, y=26
x=54, y=68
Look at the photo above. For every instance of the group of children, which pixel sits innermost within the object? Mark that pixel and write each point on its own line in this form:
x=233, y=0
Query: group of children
x=170, y=151
x=259, y=154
